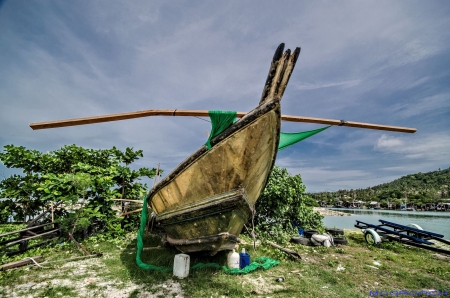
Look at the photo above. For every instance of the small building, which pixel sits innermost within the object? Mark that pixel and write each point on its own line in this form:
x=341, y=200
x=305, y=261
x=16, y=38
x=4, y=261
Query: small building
x=411, y=206
x=374, y=205
x=430, y=207
x=338, y=204
x=391, y=206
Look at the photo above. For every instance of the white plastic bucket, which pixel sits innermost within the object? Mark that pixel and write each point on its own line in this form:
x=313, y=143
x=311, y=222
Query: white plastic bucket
x=233, y=260
x=181, y=265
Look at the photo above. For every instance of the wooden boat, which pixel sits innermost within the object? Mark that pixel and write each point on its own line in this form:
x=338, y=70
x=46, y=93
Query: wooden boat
x=204, y=203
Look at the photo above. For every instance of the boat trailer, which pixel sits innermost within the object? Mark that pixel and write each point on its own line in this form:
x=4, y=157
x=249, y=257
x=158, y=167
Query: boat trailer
x=412, y=235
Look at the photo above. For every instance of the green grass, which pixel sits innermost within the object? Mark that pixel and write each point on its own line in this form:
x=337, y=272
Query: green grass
x=402, y=268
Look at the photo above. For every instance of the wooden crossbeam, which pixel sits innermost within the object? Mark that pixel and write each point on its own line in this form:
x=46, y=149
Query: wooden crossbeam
x=204, y=113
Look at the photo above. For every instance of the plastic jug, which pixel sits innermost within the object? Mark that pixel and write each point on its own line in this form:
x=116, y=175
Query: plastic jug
x=181, y=265
x=244, y=259
x=233, y=260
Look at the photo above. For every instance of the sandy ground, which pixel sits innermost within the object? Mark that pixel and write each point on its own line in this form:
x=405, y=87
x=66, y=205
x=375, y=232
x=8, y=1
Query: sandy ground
x=327, y=212
x=86, y=280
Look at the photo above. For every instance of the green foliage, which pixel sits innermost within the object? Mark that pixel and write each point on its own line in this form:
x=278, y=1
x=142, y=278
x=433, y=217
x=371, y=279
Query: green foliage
x=283, y=206
x=82, y=180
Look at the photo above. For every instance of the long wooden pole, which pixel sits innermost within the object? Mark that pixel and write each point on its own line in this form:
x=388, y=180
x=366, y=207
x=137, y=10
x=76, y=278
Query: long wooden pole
x=204, y=113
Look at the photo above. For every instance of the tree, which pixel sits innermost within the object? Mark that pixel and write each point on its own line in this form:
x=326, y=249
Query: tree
x=283, y=205
x=75, y=177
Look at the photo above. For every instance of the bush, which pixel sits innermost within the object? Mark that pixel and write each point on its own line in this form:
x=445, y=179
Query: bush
x=283, y=207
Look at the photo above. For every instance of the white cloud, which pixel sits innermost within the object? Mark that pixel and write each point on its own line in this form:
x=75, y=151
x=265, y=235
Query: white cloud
x=312, y=86
x=430, y=147
x=435, y=104
x=388, y=143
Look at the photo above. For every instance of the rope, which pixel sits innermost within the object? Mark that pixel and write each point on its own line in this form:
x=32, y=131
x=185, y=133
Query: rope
x=37, y=264
x=202, y=119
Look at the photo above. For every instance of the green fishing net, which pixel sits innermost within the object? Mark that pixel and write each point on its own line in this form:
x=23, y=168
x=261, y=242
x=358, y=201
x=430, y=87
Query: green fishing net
x=220, y=120
x=140, y=243
x=288, y=139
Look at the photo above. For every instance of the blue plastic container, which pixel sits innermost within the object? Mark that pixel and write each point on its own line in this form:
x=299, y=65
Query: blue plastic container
x=300, y=232
x=244, y=259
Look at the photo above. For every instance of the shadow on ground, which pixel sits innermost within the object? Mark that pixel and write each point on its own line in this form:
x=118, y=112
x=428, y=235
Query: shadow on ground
x=157, y=254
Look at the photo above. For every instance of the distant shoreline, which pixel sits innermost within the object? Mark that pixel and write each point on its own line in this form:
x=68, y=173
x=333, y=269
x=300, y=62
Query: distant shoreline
x=327, y=212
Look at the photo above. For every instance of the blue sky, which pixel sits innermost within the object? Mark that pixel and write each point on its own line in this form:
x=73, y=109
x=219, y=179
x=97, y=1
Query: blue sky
x=385, y=62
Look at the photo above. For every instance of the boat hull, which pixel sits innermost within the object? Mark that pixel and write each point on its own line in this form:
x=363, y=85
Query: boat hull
x=209, y=225
x=236, y=167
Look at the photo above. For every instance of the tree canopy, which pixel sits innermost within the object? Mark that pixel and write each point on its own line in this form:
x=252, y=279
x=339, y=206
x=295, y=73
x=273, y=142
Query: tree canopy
x=85, y=179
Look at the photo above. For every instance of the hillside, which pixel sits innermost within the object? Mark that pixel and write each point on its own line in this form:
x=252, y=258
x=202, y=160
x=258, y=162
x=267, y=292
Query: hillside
x=418, y=188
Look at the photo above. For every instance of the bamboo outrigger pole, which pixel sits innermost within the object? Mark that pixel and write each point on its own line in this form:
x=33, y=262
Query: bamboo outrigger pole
x=203, y=113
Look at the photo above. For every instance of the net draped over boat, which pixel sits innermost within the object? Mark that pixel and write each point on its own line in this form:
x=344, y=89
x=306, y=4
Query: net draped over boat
x=221, y=120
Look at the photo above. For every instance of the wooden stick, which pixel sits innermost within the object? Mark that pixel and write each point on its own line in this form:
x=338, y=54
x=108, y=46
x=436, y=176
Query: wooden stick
x=24, y=230
x=204, y=113
x=127, y=200
x=41, y=243
x=78, y=244
x=292, y=253
x=154, y=183
x=53, y=215
x=152, y=247
x=32, y=237
x=10, y=240
x=347, y=123
x=19, y=263
x=73, y=259
x=44, y=213
x=129, y=212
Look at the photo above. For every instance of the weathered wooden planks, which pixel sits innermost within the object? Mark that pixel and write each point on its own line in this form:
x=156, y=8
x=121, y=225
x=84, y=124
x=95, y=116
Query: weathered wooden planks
x=279, y=73
x=243, y=159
